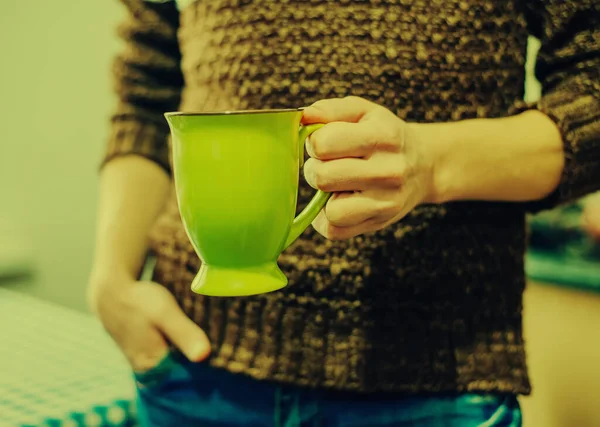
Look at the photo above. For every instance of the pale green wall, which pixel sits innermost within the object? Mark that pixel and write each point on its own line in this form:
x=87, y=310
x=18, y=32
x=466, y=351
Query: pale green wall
x=55, y=98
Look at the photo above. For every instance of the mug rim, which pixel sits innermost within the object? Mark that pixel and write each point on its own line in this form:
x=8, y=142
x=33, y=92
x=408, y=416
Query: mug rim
x=232, y=112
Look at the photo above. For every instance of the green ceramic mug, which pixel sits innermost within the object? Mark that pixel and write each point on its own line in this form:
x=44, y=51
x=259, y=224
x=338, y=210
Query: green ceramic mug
x=236, y=178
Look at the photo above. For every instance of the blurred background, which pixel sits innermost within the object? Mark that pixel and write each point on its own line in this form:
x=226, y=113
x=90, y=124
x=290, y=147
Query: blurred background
x=56, y=97
x=56, y=363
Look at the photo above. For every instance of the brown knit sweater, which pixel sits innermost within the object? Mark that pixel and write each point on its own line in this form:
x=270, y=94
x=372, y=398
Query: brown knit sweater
x=432, y=303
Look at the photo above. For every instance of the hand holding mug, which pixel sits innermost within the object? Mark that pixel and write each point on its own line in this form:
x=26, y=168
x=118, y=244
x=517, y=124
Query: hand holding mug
x=372, y=161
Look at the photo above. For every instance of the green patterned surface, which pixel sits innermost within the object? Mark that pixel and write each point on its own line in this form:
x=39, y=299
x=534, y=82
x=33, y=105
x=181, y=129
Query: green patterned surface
x=59, y=368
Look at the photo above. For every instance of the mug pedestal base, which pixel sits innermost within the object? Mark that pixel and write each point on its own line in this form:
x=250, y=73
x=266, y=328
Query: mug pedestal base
x=237, y=282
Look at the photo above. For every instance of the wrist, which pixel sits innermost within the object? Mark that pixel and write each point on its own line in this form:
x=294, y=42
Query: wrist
x=105, y=280
x=439, y=141
x=108, y=271
x=117, y=258
x=518, y=158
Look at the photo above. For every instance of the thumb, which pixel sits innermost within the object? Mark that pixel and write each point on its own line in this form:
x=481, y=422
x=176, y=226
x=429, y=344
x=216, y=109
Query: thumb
x=349, y=109
x=182, y=331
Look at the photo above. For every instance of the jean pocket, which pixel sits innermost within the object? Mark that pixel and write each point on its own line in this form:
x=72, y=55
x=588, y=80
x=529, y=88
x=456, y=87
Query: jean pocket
x=156, y=375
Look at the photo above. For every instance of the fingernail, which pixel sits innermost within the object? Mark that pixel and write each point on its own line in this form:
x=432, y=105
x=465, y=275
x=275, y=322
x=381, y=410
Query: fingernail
x=200, y=351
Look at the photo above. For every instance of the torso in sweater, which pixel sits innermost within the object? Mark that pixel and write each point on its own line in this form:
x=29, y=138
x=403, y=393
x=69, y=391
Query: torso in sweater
x=432, y=303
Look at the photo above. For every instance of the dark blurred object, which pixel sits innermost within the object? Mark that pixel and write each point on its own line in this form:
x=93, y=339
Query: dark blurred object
x=561, y=251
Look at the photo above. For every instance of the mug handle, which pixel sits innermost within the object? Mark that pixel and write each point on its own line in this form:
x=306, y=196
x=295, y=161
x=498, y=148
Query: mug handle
x=310, y=212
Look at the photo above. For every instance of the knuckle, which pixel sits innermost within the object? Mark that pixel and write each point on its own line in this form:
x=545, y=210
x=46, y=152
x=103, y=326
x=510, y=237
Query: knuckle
x=357, y=100
x=392, y=209
x=335, y=216
x=320, y=103
x=396, y=173
x=318, y=144
x=335, y=233
x=372, y=142
x=392, y=134
x=385, y=213
x=321, y=179
x=400, y=172
x=395, y=178
x=380, y=226
x=387, y=179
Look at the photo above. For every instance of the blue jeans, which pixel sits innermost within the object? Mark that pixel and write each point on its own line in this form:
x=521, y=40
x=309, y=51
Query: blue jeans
x=181, y=393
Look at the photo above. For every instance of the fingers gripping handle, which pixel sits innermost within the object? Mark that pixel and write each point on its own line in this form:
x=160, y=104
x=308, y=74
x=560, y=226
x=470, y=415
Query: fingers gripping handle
x=310, y=212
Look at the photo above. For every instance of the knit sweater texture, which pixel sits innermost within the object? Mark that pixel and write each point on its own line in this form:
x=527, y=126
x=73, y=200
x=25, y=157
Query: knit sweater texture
x=432, y=303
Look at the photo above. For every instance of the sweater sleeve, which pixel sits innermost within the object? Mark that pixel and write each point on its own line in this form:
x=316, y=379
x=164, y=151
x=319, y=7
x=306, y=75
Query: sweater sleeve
x=568, y=67
x=147, y=81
